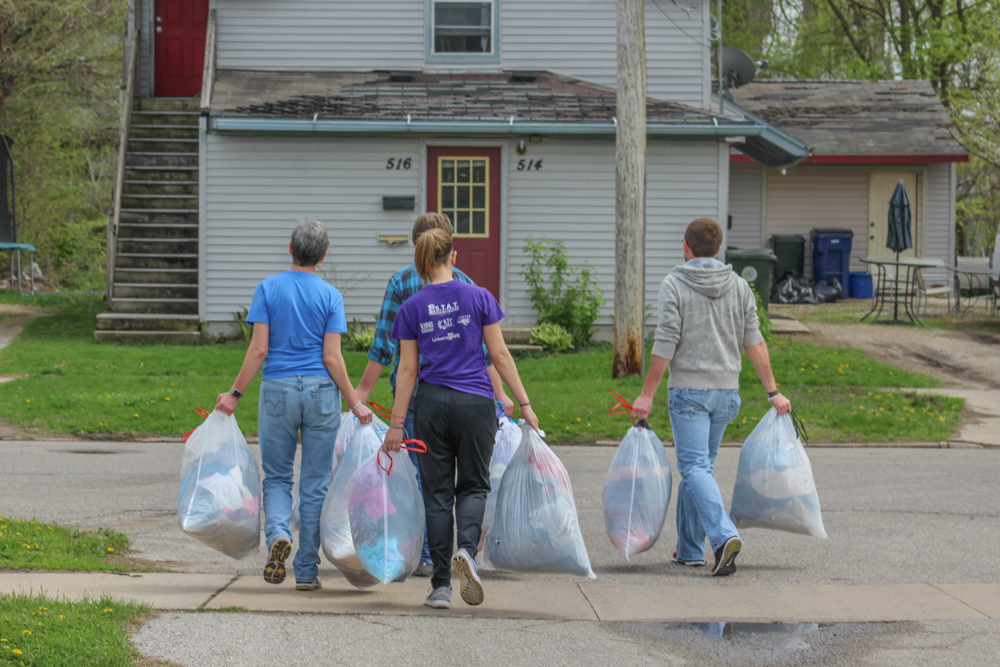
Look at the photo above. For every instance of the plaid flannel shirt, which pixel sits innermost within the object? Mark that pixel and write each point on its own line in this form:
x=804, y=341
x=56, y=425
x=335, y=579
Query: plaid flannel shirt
x=404, y=284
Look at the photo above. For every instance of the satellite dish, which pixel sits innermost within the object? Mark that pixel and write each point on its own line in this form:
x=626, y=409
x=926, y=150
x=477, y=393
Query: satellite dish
x=738, y=69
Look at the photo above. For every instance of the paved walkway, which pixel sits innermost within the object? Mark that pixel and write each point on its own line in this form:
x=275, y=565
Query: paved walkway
x=983, y=429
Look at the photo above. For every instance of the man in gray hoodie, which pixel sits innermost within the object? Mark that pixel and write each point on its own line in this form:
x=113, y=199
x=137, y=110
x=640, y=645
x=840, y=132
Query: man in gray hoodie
x=708, y=315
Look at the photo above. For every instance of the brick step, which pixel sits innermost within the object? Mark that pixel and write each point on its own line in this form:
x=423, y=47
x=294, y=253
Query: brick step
x=147, y=216
x=155, y=291
x=172, y=118
x=160, y=188
x=146, y=322
x=157, y=246
x=188, y=104
x=189, y=337
x=128, y=260
x=159, y=202
x=187, y=276
x=516, y=334
x=157, y=174
x=157, y=231
x=162, y=131
x=163, y=145
x=161, y=159
x=156, y=306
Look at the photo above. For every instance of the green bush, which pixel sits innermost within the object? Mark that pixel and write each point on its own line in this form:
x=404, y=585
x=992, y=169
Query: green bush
x=561, y=293
x=551, y=337
x=763, y=316
x=363, y=339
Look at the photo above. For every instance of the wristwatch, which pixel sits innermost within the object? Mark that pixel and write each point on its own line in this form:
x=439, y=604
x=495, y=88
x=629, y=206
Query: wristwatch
x=770, y=394
x=236, y=393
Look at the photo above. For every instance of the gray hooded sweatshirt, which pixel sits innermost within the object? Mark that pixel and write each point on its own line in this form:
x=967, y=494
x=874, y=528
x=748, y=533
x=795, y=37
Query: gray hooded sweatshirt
x=708, y=314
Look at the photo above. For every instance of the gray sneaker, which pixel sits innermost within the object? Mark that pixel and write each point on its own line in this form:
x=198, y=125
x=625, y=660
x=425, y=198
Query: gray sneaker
x=439, y=598
x=424, y=569
x=472, y=585
x=313, y=585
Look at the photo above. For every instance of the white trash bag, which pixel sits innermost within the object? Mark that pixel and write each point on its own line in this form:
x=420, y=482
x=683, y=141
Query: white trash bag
x=334, y=522
x=637, y=491
x=387, y=516
x=219, y=498
x=535, y=527
x=507, y=441
x=774, y=482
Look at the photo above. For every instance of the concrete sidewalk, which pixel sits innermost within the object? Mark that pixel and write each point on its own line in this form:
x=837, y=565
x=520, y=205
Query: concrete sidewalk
x=983, y=429
x=540, y=600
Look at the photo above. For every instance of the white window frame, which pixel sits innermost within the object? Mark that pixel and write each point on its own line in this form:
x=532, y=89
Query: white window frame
x=493, y=56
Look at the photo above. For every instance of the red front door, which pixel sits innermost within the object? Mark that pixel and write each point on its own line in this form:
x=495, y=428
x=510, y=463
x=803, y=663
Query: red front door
x=464, y=184
x=180, y=46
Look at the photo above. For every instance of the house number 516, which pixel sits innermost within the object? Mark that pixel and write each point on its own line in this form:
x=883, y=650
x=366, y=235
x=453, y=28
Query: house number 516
x=399, y=163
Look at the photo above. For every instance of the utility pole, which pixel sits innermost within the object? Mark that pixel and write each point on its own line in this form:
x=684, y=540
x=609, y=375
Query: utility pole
x=630, y=171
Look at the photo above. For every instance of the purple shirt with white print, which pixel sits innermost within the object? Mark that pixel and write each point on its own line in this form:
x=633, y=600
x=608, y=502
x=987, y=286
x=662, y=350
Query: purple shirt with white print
x=447, y=322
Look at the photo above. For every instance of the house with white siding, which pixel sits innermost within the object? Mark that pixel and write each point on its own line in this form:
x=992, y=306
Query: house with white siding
x=241, y=116
x=864, y=137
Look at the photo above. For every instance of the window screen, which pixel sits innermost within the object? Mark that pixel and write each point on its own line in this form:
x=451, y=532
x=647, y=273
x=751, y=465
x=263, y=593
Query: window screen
x=463, y=27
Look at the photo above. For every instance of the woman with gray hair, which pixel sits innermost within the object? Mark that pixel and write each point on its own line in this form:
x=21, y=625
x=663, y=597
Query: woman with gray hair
x=297, y=320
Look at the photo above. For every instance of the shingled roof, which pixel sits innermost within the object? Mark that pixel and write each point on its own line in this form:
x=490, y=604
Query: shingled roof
x=540, y=96
x=855, y=117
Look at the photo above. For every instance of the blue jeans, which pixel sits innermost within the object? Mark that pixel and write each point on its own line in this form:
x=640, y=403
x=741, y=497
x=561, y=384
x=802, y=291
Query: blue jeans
x=310, y=404
x=425, y=554
x=698, y=418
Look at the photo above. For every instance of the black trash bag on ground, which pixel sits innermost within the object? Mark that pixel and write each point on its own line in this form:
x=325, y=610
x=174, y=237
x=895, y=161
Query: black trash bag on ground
x=827, y=293
x=796, y=288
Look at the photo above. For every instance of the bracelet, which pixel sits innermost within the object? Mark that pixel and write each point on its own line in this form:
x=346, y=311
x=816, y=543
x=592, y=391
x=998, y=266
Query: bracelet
x=392, y=416
x=355, y=406
x=397, y=427
x=772, y=394
x=524, y=405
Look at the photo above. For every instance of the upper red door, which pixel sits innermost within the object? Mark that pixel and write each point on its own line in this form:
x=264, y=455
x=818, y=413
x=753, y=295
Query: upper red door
x=464, y=184
x=180, y=27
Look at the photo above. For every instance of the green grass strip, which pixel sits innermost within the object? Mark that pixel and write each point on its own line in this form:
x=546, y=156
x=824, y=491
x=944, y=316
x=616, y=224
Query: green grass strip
x=42, y=631
x=26, y=544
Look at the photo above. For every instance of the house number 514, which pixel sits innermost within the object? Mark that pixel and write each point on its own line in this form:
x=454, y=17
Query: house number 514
x=399, y=163
x=529, y=165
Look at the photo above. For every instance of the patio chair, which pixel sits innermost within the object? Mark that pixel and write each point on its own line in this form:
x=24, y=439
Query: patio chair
x=923, y=292
x=974, y=286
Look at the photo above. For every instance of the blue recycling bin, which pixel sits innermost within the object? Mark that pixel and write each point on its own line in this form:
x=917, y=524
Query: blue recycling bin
x=832, y=256
x=861, y=285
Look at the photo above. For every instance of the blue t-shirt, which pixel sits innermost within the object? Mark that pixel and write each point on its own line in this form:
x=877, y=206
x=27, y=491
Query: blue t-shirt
x=300, y=308
x=447, y=322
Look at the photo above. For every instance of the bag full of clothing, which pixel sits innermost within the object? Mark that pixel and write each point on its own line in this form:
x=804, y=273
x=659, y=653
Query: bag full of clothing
x=774, y=482
x=507, y=441
x=535, y=526
x=387, y=515
x=349, y=424
x=334, y=521
x=220, y=493
x=637, y=491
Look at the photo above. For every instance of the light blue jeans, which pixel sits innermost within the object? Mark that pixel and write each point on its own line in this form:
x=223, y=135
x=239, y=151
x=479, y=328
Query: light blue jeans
x=310, y=404
x=698, y=418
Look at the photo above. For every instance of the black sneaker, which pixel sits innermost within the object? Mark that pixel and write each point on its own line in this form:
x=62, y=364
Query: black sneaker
x=725, y=557
x=689, y=563
x=274, y=571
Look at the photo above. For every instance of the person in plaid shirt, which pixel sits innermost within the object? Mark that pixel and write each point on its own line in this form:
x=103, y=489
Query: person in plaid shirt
x=385, y=350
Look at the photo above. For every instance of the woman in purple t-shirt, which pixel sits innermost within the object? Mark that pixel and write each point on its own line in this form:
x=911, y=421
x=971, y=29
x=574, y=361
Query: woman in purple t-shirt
x=447, y=322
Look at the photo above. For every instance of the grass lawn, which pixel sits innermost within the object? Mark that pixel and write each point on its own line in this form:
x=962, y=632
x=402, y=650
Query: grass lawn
x=33, y=545
x=42, y=631
x=77, y=385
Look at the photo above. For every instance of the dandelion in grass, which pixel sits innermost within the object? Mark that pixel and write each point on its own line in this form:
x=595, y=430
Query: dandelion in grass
x=108, y=610
x=111, y=550
x=136, y=416
x=26, y=633
x=16, y=651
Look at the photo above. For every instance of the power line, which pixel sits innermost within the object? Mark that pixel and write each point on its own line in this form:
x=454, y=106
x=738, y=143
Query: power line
x=696, y=40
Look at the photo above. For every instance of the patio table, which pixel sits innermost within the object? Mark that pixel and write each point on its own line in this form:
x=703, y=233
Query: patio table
x=896, y=288
x=17, y=248
x=983, y=279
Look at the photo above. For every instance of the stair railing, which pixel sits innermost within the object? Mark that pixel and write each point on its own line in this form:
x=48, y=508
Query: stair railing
x=126, y=102
x=208, y=73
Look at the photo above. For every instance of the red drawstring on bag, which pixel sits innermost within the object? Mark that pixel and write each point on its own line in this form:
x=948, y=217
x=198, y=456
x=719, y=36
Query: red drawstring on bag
x=201, y=411
x=420, y=449
x=621, y=406
x=383, y=413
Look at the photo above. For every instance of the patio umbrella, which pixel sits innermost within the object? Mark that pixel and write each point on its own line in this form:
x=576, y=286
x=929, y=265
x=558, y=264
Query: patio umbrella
x=900, y=221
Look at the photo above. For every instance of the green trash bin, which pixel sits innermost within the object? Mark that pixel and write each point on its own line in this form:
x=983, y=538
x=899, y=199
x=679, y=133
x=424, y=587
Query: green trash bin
x=756, y=266
x=790, y=249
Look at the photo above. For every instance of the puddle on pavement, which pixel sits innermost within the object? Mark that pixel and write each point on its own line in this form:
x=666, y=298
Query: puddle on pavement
x=779, y=631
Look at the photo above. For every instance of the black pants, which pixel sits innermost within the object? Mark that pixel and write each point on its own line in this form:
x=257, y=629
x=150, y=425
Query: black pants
x=459, y=430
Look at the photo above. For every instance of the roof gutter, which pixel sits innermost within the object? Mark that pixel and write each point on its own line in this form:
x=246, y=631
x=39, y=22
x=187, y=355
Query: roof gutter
x=509, y=126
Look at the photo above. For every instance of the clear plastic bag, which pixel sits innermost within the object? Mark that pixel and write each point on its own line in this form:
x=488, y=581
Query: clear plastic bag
x=774, y=482
x=387, y=516
x=218, y=502
x=507, y=441
x=535, y=527
x=334, y=521
x=637, y=492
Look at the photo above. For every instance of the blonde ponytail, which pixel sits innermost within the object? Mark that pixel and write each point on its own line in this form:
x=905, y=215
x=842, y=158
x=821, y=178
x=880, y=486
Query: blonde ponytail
x=433, y=248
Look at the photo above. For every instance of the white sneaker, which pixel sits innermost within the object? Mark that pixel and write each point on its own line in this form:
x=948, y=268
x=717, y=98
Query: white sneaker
x=439, y=598
x=472, y=585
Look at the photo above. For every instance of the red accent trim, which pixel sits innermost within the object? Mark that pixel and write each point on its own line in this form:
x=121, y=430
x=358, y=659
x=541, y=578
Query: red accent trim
x=864, y=159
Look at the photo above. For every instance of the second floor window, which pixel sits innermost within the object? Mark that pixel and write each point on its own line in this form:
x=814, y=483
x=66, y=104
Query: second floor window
x=463, y=27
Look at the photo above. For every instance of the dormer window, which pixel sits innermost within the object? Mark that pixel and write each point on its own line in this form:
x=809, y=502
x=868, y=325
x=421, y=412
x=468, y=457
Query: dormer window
x=462, y=30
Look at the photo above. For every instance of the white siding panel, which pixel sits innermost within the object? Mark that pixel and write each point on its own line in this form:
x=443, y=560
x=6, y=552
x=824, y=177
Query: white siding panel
x=257, y=187
x=939, y=216
x=572, y=199
x=820, y=197
x=745, y=194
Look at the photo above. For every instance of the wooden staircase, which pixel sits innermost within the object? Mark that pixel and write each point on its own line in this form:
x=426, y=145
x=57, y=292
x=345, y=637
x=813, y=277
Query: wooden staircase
x=153, y=289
